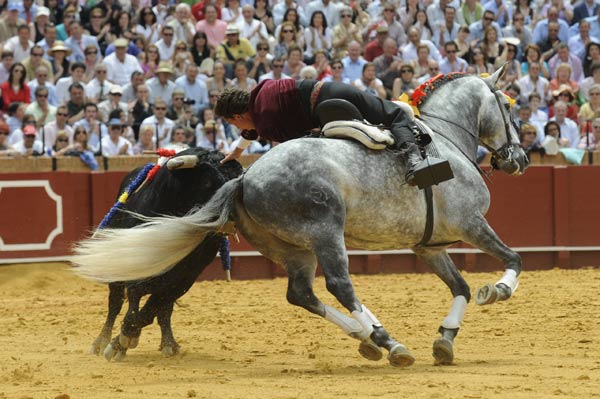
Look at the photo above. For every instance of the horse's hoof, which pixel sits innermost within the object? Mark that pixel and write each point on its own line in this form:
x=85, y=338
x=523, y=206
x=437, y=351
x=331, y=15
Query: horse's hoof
x=109, y=352
x=486, y=295
x=128, y=342
x=399, y=356
x=369, y=350
x=99, y=345
x=443, y=352
x=169, y=351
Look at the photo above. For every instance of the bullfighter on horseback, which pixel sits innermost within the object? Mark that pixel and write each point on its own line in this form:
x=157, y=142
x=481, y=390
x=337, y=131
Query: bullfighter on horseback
x=281, y=110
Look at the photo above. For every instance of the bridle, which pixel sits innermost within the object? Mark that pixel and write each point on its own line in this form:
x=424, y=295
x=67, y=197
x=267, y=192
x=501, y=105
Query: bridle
x=505, y=152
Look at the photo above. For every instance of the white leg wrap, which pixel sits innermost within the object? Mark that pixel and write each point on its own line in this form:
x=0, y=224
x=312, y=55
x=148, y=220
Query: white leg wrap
x=457, y=313
x=510, y=279
x=347, y=324
x=367, y=320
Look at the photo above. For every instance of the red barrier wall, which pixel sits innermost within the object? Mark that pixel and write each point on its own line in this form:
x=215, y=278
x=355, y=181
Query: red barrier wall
x=549, y=215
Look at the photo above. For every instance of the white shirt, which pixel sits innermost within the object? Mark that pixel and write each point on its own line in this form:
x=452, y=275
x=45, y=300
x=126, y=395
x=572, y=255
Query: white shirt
x=269, y=75
x=165, y=127
x=109, y=148
x=19, y=53
x=120, y=72
x=50, y=130
x=62, y=90
x=180, y=30
x=166, y=52
x=248, y=29
x=92, y=89
x=569, y=130
x=20, y=146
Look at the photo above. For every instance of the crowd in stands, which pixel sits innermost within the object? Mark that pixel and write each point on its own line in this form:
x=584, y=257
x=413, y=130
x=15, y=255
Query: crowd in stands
x=123, y=77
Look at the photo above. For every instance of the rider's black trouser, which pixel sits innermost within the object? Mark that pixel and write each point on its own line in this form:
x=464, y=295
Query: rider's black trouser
x=373, y=109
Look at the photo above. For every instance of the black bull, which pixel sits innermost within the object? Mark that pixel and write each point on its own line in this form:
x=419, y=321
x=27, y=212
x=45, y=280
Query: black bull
x=175, y=193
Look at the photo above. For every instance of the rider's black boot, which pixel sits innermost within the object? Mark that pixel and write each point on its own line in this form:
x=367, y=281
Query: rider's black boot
x=424, y=172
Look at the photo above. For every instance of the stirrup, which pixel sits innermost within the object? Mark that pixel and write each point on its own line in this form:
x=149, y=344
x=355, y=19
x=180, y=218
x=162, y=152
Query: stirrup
x=429, y=172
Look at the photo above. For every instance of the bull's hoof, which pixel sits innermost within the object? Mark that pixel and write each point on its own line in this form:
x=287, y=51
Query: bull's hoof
x=399, y=356
x=128, y=342
x=443, y=352
x=99, y=345
x=369, y=350
x=486, y=295
x=169, y=351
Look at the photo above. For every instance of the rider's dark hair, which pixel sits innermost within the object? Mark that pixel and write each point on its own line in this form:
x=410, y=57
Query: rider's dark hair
x=232, y=102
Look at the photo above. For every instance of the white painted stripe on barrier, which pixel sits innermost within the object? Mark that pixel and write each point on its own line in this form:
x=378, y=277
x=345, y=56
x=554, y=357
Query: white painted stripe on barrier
x=350, y=252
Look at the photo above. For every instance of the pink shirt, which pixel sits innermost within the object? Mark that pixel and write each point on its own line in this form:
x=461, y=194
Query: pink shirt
x=214, y=33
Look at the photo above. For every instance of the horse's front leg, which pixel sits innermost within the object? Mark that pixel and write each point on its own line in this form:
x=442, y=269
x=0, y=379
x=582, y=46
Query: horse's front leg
x=483, y=237
x=332, y=256
x=116, y=297
x=444, y=268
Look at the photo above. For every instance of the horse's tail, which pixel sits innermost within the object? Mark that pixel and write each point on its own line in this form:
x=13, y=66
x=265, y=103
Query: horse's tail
x=155, y=246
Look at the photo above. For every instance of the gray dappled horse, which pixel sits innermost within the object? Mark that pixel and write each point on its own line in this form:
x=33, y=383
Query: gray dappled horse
x=305, y=200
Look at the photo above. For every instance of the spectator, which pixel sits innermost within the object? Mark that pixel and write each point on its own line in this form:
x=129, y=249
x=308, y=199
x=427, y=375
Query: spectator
x=282, y=7
x=387, y=65
x=114, y=144
x=560, y=28
x=113, y=102
x=147, y=25
x=368, y=82
x=97, y=89
x=60, y=63
x=10, y=22
x=218, y=81
x=140, y=108
x=241, y=81
x=588, y=141
x=193, y=87
x=161, y=86
x=520, y=31
x=563, y=56
x=99, y=29
x=591, y=110
x=451, y=63
x=375, y=48
x=490, y=46
x=127, y=132
x=234, y=48
x=6, y=150
x=527, y=136
x=211, y=138
x=232, y=14
x=308, y=72
x=470, y=11
x=346, y=32
x=567, y=95
x=533, y=82
x=181, y=57
x=213, y=27
x=330, y=10
x=40, y=80
x=76, y=103
x=15, y=88
x=42, y=111
x=337, y=73
x=161, y=10
x=592, y=56
x=568, y=127
x=63, y=84
x=179, y=139
x=583, y=10
x=34, y=61
x=553, y=138
x=183, y=28
x=177, y=108
x=563, y=77
x=480, y=63
x=145, y=142
x=263, y=13
x=121, y=65
x=286, y=39
x=17, y=134
x=276, y=72
x=20, y=45
x=501, y=11
x=317, y=36
x=261, y=63
x=477, y=28
x=294, y=63
x=29, y=146
x=250, y=28
x=405, y=83
x=534, y=54
x=578, y=43
x=62, y=30
x=48, y=41
x=448, y=29
x=321, y=64
x=291, y=15
x=93, y=126
x=508, y=55
x=166, y=45
x=163, y=125
x=51, y=129
x=587, y=83
x=78, y=41
x=409, y=51
x=200, y=49
x=61, y=145
x=6, y=61
x=433, y=70
x=137, y=78
x=422, y=24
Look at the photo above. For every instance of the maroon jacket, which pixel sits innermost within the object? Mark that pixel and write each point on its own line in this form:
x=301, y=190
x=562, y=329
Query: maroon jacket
x=277, y=112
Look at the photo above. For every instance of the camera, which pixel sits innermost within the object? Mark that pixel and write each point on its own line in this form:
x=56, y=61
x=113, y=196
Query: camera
x=189, y=101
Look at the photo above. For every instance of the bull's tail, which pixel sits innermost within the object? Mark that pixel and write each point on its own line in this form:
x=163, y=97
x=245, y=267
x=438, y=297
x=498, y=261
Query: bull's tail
x=155, y=246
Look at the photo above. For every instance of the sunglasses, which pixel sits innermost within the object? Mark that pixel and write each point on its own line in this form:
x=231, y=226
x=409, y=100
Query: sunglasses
x=91, y=52
x=96, y=16
x=62, y=114
x=42, y=95
x=346, y=16
x=42, y=75
x=451, y=52
x=277, y=66
x=37, y=54
x=263, y=48
x=114, y=127
x=214, y=95
x=62, y=140
x=167, y=34
x=288, y=31
x=181, y=48
x=160, y=108
x=389, y=10
x=488, y=18
x=336, y=67
x=152, y=51
x=116, y=94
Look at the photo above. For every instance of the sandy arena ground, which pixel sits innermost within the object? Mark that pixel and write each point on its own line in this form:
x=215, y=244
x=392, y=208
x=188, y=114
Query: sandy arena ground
x=243, y=340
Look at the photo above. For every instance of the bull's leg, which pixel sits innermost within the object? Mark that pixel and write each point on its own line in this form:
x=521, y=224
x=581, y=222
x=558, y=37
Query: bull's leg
x=444, y=268
x=483, y=237
x=331, y=254
x=168, y=345
x=116, y=297
x=117, y=349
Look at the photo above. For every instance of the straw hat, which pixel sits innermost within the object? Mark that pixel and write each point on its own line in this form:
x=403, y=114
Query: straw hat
x=563, y=88
x=164, y=67
x=512, y=40
x=232, y=30
x=59, y=46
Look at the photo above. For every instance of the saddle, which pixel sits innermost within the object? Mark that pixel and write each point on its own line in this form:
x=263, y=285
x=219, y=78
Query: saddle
x=370, y=136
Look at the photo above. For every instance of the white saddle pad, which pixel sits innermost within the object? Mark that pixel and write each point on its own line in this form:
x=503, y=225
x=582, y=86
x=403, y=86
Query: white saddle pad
x=370, y=136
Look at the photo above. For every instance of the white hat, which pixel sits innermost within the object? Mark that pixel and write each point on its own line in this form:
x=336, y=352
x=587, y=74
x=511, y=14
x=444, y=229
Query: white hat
x=41, y=11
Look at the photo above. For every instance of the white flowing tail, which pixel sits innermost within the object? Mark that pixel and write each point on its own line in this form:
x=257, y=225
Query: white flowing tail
x=155, y=246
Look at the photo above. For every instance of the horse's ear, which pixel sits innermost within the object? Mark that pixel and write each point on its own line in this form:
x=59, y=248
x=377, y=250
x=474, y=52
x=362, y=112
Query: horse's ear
x=493, y=79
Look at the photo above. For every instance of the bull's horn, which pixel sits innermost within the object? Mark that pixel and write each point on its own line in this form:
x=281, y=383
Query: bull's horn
x=182, y=162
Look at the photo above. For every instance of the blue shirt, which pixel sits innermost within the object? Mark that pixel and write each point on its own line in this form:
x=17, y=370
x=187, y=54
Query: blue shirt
x=196, y=90
x=353, y=69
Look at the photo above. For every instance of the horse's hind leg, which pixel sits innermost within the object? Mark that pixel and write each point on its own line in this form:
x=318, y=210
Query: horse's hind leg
x=168, y=345
x=332, y=256
x=444, y=268
x=484, y=238
x=116, y=297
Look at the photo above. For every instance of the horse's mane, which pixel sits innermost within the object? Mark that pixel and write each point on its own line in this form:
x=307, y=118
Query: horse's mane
x=424, y=91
